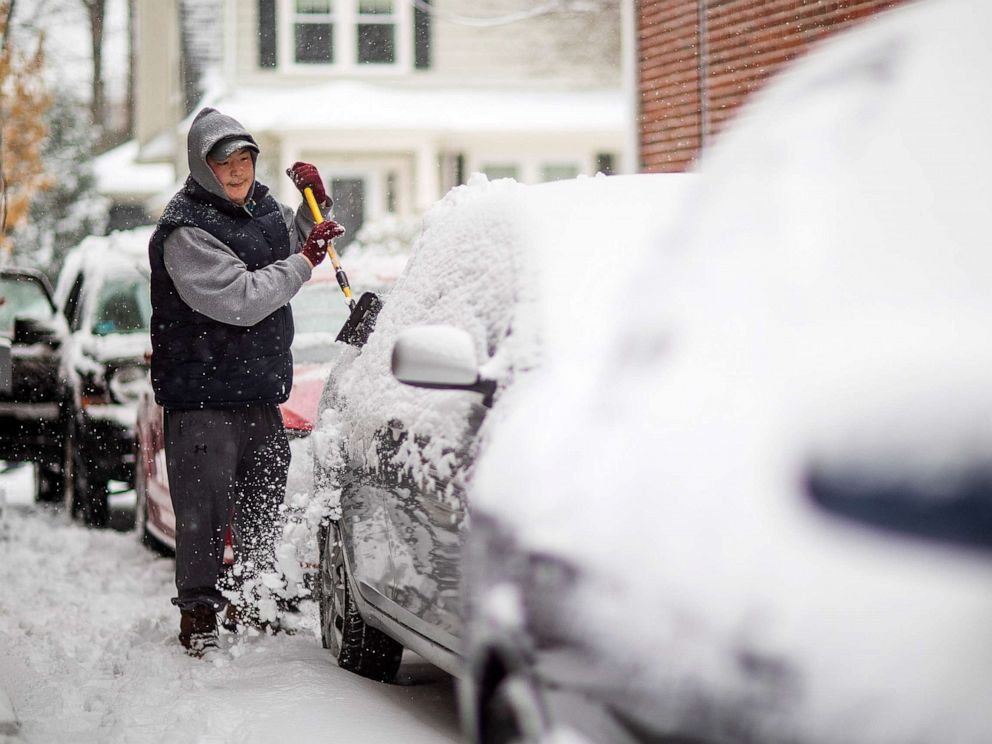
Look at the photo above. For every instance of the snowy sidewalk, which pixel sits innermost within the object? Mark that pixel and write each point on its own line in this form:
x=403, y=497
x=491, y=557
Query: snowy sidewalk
x=88, y=655
x=8, y=719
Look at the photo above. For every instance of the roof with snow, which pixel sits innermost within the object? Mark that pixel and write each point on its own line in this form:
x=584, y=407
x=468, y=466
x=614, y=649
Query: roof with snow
x=354, y=105
x=121, y=175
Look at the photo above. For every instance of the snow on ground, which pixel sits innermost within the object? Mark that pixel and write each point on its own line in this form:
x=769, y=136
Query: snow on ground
x=88, y=652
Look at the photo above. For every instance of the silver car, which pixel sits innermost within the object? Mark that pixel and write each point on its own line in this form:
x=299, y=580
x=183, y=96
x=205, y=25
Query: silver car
x=501, y=275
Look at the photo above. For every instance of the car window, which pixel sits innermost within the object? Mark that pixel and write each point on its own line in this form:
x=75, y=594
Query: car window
x=317, y=308
x=122, y=307
x=72, y=307
x=22, y=296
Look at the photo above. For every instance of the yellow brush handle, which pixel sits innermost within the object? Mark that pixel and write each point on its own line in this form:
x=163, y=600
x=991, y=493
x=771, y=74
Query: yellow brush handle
x=312, y=203
x=331, y=253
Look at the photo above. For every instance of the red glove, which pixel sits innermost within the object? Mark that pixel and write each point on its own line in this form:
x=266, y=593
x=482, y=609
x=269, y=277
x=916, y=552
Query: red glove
x=316, y=246
x=303, y=175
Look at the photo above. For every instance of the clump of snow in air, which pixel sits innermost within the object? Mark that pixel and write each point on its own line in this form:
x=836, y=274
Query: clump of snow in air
x=824, y=301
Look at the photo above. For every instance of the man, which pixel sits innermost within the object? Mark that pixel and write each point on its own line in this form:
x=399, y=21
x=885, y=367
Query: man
x=226, y=258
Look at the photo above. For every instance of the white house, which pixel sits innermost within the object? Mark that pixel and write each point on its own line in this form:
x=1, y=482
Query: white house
x=395, y=101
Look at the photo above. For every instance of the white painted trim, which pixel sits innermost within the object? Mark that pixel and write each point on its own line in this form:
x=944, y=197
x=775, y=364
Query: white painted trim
x=427, y=176
x=230, y=63
x=629, y=51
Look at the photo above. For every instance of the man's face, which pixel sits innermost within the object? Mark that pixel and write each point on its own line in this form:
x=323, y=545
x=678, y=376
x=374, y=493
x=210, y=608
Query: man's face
x=236, y=174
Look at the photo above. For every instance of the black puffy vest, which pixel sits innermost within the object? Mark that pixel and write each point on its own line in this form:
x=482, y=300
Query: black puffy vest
x=198, y=362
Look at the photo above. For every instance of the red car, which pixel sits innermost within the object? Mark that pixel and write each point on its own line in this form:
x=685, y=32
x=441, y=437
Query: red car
x=319, y=311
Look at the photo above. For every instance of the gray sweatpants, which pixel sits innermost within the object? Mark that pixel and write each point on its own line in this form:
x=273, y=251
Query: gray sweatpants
x=227, y=467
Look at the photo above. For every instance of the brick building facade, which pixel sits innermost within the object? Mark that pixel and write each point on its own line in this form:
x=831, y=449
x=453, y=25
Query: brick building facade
x=698, y=60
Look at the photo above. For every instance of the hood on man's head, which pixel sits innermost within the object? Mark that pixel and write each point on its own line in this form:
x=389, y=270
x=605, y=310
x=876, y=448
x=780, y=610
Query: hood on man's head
x=211, y=128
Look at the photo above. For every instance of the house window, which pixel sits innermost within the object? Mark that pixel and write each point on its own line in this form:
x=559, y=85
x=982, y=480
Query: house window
x=499, y=170
x=348, y=195
x=422, y=37
x=606, y=163
x=391, y=192
x=376, y=29
x=267, y=49
x=347, y=35
x=313, y=26
x=558, y=171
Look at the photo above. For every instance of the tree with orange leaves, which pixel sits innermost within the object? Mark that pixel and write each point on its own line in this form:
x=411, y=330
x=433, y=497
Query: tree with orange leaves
x=23, y=103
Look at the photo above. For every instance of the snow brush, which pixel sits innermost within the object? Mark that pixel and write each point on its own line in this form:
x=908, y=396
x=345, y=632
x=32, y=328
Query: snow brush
x=361, y=321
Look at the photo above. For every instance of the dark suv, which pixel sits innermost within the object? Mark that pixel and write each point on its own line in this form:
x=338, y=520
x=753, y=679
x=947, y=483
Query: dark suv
x=32, y=386
x=103, y=294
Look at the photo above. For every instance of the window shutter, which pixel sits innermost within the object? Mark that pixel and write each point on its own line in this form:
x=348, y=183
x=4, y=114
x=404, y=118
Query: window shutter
x=266, y=33
x=421, y=36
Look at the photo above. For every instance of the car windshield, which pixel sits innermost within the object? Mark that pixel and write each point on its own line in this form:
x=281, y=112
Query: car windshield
x=123, y=307
x=318, y=308
x=21, y=296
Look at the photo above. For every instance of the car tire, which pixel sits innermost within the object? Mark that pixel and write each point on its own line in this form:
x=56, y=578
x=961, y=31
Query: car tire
x=359, y=647
x=90, y=492
x=70, y=500
x=49, y=483
x=512, y=714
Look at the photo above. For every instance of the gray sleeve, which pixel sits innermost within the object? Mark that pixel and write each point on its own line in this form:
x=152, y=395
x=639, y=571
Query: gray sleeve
x=300, y=223
x=212, y=280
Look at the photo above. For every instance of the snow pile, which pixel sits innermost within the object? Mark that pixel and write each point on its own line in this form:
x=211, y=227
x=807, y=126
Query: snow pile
x=825, y=300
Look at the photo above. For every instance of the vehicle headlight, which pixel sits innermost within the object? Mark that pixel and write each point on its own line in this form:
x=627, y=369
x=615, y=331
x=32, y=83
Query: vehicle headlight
x=127, y=383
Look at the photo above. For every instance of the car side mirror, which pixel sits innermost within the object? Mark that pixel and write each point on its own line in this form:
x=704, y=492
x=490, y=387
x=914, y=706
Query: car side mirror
x=28, y=330
x=439, y=357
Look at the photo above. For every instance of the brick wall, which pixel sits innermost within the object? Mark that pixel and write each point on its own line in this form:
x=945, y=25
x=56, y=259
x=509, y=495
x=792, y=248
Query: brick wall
x=683, y=95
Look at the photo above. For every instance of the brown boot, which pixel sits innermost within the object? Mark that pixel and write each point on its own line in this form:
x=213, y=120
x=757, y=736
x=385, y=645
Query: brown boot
x=198, y=630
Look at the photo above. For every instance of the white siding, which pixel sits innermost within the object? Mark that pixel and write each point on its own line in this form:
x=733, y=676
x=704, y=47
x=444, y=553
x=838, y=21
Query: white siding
x=576, y=49
x=246, y=39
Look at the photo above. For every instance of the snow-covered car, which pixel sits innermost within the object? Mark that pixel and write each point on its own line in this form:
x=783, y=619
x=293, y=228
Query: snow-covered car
x=319, y=311
x=502, y=271
x=758, y=511
x=32, y=386
x=102, y=292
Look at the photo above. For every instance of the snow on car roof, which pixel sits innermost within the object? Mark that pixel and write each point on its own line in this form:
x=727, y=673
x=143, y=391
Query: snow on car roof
x=122, y=251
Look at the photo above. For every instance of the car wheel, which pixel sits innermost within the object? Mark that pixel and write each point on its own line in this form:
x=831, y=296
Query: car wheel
x=69, y=498
x=49, y=486
x=359, y=648
x=90, y=489
x=512, y=714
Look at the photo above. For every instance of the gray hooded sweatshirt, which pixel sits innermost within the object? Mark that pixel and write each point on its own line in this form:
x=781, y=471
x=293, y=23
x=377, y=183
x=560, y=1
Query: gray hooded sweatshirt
x=208, y=275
